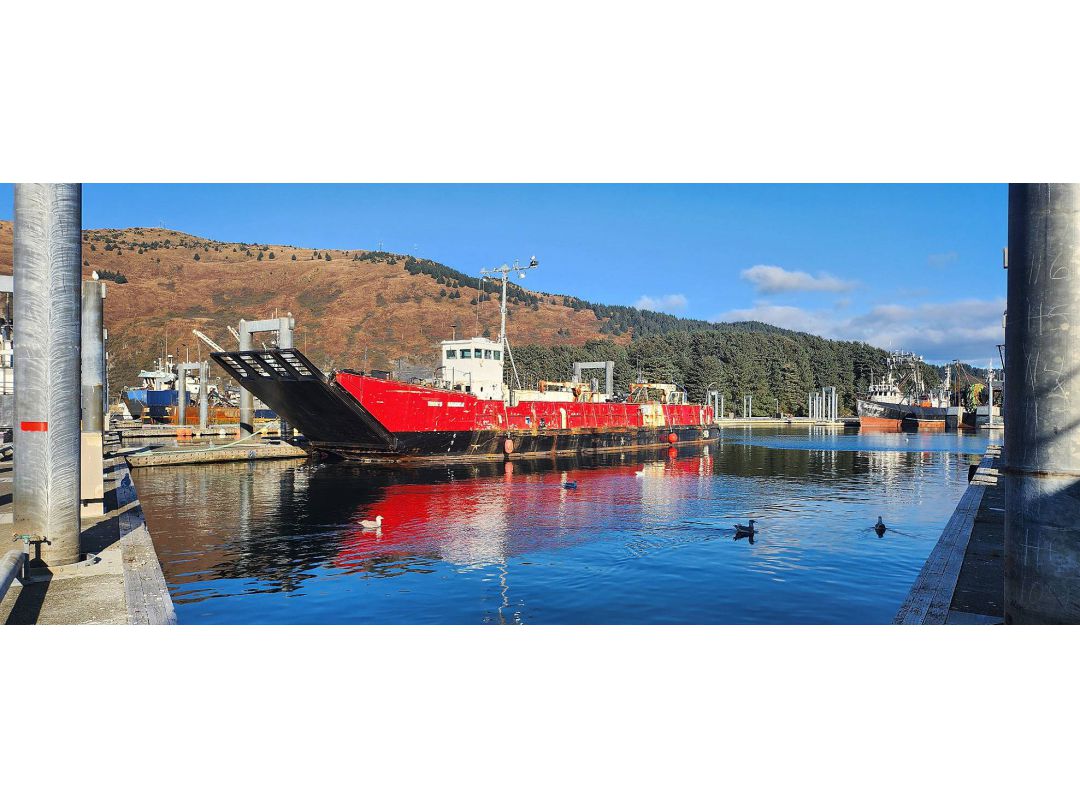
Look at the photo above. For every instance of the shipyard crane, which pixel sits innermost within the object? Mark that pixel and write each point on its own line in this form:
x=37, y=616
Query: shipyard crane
x=234, y=333
x=213, y=346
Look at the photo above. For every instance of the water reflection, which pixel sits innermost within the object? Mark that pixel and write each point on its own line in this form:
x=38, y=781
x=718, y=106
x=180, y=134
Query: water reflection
x=637, y=540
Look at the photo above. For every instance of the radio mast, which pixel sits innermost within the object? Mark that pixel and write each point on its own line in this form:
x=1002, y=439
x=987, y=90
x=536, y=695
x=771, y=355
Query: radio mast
x=503, y=272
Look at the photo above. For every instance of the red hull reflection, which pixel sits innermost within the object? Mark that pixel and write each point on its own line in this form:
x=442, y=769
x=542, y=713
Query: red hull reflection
x=467, y=520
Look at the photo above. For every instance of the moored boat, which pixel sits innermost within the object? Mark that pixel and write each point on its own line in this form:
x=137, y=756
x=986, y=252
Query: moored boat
x=900, y=401
x=466, y=409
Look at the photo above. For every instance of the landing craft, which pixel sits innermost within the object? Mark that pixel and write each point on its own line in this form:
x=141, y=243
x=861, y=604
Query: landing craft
x=465, y=410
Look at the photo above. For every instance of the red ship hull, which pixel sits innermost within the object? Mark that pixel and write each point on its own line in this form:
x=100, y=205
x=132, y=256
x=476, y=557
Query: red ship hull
x=362, y=417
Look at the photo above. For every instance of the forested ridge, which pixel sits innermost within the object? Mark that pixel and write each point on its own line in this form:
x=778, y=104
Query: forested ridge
x=756, y=359
x=364, y=308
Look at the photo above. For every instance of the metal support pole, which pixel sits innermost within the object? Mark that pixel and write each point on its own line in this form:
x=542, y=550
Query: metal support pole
x=93, y=350
x=48, y=319
x=1041, y=395
x=204, y=395
x=285, y=341
x=750, y=406
x=247, y=402
x=721, y=406
x=105, y=374
x=181, y=394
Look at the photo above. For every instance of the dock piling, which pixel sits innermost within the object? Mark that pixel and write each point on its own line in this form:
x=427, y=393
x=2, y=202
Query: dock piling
x=204, y=391
x=181, y=394
x=47, y=356
x=93, y=349
x=1041, y=397
x=247, y=402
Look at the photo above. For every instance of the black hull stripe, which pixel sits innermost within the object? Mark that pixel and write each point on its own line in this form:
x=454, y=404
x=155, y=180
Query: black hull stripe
x=490, y=444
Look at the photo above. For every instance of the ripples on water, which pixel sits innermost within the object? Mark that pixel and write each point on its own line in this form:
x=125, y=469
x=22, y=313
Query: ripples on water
x=645, y=538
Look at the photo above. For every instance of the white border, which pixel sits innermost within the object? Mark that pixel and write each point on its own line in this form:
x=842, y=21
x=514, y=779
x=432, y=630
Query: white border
x=539, y=717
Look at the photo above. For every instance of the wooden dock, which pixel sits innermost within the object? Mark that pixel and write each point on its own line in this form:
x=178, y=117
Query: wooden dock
x=963, y=580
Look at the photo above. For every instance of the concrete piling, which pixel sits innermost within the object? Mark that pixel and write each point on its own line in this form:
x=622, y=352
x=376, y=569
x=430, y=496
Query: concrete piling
x=47, y=357
x=1041, y=401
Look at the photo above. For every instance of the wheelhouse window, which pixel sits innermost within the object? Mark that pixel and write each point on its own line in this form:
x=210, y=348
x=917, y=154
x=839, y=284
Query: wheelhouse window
x=451, y=354
x=487, y=354
x=466, y=354
x=498, y=355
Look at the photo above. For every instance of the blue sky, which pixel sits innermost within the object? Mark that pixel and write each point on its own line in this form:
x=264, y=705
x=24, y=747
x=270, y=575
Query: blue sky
x=916, y=267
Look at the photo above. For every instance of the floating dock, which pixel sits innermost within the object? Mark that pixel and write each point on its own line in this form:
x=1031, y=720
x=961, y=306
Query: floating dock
x=775, y=421
x=121, y=581
x=247, y=451
x=963, y=580
x=135, y=430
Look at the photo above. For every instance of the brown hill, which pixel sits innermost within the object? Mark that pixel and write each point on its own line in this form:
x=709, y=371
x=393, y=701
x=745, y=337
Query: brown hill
x=345, y=302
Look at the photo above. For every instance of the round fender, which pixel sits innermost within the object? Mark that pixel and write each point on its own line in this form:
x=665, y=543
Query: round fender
x=672, y=438
x=508, y=446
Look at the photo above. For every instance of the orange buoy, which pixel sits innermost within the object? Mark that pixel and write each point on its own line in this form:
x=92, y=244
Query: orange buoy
x=508, y=446
x=671, y=437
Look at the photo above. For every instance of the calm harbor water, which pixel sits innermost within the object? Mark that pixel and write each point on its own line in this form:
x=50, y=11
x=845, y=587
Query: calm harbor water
x=644, y=538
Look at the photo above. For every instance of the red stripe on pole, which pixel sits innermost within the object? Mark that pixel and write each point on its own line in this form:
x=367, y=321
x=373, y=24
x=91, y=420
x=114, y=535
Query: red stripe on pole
x=31, y=427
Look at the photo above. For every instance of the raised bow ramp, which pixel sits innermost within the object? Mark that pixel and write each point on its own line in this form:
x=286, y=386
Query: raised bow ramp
x=297, y=390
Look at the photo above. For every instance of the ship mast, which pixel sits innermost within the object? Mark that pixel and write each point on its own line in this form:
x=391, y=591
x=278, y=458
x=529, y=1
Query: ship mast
x=503, y=272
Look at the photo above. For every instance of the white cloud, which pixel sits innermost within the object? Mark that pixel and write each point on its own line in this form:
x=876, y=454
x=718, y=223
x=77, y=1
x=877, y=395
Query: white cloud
x=768, y=279
x=671, y=303
x=966, y=329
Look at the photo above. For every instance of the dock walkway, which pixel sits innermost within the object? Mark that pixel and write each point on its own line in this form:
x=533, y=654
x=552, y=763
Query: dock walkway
x=963, y=580
x=247, y=451
x=124, y=586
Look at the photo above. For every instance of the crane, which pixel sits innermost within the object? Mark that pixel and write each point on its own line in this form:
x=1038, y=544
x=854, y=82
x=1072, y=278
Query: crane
x=213, y=346
x=234, y=333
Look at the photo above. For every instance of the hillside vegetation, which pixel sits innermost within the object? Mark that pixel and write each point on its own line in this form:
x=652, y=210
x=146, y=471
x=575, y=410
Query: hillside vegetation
x=774, y=366
x=348, y=304
x=357, y=308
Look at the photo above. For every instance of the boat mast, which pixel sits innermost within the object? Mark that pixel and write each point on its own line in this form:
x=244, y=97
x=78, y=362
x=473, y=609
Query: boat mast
x=503, y=272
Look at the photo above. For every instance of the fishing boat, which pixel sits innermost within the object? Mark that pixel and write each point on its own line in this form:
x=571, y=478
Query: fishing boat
x=465, y=409
x=901, y=401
